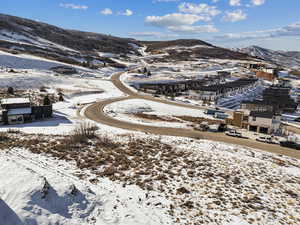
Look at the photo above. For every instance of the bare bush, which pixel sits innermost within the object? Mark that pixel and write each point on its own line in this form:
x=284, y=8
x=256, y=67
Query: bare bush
x=3, y=136
x=13, y=131
x=83, y=132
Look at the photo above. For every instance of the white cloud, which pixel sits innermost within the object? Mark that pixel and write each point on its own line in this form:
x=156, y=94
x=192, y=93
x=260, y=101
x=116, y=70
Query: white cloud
x=235, y=2
x=194, y=29
x=258, y=2
x=174, y=19
x=290, y=30
x=204, y=10
x=153, y=34
x=234, y=16
x=127, y=12
x=107, y=11
x=180, y=23
x=73, y=6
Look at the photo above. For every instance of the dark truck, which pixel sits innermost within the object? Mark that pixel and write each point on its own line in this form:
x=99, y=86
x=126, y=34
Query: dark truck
x=290, y=144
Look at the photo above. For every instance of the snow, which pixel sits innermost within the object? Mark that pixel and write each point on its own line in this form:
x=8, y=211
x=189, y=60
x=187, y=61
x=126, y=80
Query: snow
x=14, y=37
x=23, y=61
x=77, y=93
x=125, y=110
x=19, y=111
x=107, y=54
x=23, y=175
x=242, y=179
x=7, y=101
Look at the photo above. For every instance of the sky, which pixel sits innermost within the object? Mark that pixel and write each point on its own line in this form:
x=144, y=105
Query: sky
x=273, y=24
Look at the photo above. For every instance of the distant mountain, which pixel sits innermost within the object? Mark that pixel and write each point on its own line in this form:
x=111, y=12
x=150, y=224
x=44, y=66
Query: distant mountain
x=23, y=35
x=19, y=35
x=191, y=49
x=288, y=59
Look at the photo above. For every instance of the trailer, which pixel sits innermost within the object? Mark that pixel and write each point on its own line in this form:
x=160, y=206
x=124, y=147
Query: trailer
x=222, y=116
x=213, y=111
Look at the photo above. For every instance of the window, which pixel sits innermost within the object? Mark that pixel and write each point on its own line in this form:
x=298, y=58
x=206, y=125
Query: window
x=254, y=118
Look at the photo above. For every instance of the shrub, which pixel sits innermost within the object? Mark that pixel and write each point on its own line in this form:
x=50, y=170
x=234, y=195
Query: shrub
x=3, y=136
x=83, y=132
x=13, y=131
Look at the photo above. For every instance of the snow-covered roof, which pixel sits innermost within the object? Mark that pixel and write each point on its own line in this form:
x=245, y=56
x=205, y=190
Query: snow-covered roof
x=20, y=111
x=7, y=101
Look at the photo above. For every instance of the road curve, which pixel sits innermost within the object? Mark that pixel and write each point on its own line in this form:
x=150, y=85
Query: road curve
x=96, y=113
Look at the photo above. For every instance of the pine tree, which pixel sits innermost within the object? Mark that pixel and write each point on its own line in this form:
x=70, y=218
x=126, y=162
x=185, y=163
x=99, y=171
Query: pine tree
x=47, y=100
x=10, y=90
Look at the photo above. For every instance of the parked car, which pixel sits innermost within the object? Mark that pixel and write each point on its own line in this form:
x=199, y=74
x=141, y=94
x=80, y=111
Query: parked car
x=290, y=144
x=234, y=133
x=267, y=139
x=202, y=127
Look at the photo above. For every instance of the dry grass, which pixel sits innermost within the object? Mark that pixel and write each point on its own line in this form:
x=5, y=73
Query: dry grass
x=199, y=120
x=155, y=117
x=3, y=137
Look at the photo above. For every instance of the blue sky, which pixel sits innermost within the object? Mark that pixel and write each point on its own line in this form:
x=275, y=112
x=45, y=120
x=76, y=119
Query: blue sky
x=231, y=23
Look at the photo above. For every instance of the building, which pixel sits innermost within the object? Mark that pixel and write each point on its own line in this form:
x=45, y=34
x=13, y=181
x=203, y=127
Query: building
x=264, y=122
x=260, y=122
x=21, y=110
x=279, y=97
x=239, y=119
x=266, y=76
x=214, y=92
x=257, y=105
x=275, y=99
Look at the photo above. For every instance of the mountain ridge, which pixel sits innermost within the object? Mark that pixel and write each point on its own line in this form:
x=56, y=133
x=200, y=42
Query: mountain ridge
x=20, y=35
x=289, y=59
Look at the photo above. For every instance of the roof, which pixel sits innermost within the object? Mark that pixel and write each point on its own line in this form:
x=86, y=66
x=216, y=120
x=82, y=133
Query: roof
x=262, y=114
x=7, y=101
x=20, y=111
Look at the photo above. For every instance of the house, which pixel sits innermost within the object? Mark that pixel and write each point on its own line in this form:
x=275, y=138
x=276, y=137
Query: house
x=21, y=110
x=264, y=122
x=16, y=110
x=268, y=76
x=256, y=121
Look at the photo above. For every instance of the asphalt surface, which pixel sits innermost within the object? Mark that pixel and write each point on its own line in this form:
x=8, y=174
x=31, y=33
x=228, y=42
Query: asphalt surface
x=96, y=113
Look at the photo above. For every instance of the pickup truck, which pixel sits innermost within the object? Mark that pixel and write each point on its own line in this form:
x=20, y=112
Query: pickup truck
x=234, y=133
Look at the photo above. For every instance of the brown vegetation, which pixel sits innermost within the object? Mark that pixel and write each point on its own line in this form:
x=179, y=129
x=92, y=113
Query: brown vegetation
x=155, y=117
x=199, y=120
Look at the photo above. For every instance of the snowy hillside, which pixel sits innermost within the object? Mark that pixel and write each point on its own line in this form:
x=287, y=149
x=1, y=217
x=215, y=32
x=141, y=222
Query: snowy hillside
x=291, y=60
x=19, y=35
x=192, y=182
x=39, y=190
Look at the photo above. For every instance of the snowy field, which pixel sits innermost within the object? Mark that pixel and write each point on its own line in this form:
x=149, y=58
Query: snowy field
x=29, y=62
x=126, y=110
x=77, y=93
x=193, y=182
x=188, y=70
x=68, y=200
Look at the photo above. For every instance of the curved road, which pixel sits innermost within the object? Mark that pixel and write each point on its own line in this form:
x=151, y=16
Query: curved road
x=96, y=113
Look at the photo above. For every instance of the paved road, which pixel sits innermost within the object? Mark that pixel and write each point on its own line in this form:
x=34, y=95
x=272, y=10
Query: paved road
x=95, y=112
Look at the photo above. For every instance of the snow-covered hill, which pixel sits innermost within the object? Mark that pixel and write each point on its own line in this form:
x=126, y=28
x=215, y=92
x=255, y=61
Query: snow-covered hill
x=36, y=190
x=19, y=35
x=288, y=59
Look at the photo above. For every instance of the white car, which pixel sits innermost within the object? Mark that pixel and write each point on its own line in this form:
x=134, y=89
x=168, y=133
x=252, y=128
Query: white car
x=267, y=139
x=234, y=133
